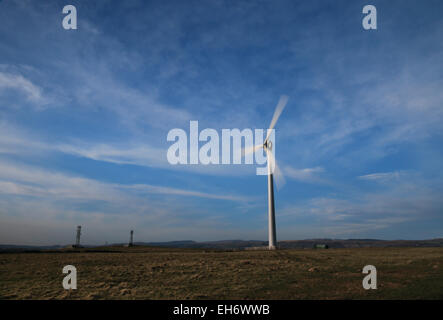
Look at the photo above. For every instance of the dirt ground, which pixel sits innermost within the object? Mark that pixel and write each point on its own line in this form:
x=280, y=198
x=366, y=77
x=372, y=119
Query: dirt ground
x=161, y=273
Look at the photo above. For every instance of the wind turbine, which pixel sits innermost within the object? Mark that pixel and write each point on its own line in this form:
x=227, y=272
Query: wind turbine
x=272, y=169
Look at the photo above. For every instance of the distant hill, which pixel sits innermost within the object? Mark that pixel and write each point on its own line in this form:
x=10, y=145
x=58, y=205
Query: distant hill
x=25, y=247
x=243, y=244
x=222, y=244
x=361, y=243
x=300, y=244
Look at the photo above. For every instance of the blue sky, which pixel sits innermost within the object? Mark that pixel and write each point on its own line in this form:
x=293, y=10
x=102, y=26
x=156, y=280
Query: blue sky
x=84, y=116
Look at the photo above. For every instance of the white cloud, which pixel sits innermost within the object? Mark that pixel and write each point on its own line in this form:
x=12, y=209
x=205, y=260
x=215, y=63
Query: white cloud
x=383, y=176
x=17, y=82
x=24, y=180
x=304, y=175
x=182, y=192
x=18, y=142
x=137, y=155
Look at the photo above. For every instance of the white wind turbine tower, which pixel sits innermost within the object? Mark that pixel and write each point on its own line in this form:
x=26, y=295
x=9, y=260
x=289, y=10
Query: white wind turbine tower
x=272, y=169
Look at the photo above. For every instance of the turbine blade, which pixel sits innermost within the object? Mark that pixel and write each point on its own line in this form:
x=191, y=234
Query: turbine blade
x=280, y=180
x=252, y=149
x=278, y=110
x=278, y=174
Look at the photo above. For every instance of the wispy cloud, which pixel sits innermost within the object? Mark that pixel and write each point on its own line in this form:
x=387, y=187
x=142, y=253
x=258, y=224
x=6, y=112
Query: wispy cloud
x=22, y=85
x=141, y=155
x=181, y=192
x=304, y=175
x=382, y=176
x=24, y=180
x=17, y=141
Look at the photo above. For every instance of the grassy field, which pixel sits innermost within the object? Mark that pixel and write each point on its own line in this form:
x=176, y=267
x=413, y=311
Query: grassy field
x=161, y=273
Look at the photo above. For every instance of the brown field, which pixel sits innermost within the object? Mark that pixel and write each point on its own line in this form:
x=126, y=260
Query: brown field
x=162, y=273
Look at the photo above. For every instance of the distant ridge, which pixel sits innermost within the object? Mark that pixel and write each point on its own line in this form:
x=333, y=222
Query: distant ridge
x=242, y=244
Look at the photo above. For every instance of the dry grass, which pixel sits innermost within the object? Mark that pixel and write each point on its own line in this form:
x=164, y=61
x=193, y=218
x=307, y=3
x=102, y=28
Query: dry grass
x=154, y=273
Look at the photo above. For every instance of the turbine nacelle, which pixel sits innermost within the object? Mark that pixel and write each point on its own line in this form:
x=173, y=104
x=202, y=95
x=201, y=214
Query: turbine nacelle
x=267, y=145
